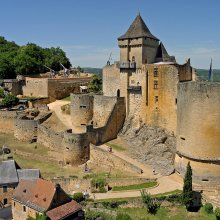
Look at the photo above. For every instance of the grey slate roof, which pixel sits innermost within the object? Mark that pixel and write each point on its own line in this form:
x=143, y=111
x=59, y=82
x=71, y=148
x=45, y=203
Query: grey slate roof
x=162, y=55
x=28, y=174
x=138, y=29
x=8, y=172
x=11, y=173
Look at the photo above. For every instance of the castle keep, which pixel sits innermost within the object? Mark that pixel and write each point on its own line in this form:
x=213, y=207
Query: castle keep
x=162, y=93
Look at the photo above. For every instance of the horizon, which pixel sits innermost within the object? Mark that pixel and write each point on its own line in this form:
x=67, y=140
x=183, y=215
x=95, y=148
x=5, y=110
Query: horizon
x=88, y=31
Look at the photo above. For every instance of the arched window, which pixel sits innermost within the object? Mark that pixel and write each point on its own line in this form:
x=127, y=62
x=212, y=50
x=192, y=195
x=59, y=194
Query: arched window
x=133, y=59
x=118, y=93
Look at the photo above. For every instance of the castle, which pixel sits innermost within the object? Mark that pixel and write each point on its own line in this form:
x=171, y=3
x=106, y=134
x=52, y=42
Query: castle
x=161, y=93
x=147, y=86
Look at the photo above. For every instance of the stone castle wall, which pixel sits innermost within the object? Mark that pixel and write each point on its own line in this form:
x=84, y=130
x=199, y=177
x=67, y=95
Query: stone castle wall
x=111, y=80
x=49, y=138
x=53, y=89
x=76, y=148
x=26, y=128
x=36, y=87
x=81, y=111
x=114, y=119
x=198, y=131
x=7, y=119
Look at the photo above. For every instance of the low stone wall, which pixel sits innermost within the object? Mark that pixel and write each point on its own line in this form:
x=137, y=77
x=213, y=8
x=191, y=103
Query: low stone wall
x=49, y=138
x=71, y=185
x=7, y=119
x=100, y=156
x=26, y=129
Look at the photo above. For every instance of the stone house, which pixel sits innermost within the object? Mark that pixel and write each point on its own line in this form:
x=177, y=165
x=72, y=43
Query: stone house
x=10, y=175
x=40, y=196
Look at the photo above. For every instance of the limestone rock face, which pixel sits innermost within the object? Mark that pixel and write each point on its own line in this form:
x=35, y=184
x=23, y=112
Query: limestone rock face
x=151, y=145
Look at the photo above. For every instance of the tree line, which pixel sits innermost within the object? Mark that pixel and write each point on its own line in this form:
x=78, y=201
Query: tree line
x=29, y=59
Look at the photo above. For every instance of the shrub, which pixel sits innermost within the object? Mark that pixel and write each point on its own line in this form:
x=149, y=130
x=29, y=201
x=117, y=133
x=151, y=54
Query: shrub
x=152, y=204
x=217, y=213
x=123, y=216
x=92, y=215
x=78, y=197
x=208, y=207
x=99, y=184
x=2, y=94
x=10, y=100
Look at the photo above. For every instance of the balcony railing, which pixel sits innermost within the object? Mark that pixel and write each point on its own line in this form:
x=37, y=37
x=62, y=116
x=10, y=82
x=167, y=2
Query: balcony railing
x=134, y=88
x=127, y=65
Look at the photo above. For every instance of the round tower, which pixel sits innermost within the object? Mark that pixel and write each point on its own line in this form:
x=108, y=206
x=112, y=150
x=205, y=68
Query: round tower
x=81, y=111
x=76, y=148
x=198, y=130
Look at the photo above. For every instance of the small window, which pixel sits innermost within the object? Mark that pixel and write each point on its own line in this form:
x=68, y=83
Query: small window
x=24, y=208
x=156, y=72
x=14, y=204
x=156, y=99
x=182, y=138
x=5, y=201
x=205, y=180
x=176, y=101
x=5, y=189
x=132, y=82
x=155, y=84
x=83, y=106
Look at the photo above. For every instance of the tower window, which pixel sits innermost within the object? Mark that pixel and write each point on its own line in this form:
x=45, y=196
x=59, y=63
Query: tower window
x=156, y=72
x=156, y=99
x=5, y=189
x=155, y=84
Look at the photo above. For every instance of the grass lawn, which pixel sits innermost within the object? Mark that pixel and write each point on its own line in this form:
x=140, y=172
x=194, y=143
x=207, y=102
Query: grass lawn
x=66, y=99
x=136, y=186
x=115, y=146
x=171, y=213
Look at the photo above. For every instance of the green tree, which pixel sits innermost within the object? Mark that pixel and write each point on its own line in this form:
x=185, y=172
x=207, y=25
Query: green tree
x=152, y=204
x=208, y=208
x=187, y=188
x=8, y=50
x=217, y=213
x=29, y=60
x=38, y=217
x=10, y=100
x=55, y=56
x=2, y=94
x=95, y=85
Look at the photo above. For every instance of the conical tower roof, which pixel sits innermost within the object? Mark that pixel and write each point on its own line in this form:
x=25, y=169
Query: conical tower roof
x=162, y=55
x=138, y=29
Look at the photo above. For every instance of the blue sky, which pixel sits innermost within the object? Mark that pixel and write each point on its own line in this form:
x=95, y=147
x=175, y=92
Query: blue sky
x=87, y=30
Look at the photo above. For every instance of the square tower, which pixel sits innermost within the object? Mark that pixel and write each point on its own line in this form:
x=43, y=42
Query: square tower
x=137, y=46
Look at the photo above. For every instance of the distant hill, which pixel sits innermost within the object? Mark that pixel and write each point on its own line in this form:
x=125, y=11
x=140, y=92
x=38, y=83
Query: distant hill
x=92, y=70
x=203, y=74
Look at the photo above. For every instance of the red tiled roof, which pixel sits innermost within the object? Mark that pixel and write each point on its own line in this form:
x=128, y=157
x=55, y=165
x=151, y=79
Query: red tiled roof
x=64, y=210
x=37, y=194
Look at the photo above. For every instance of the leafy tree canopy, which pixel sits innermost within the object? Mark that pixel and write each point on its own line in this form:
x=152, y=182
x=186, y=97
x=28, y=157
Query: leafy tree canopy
x=95, y=85
x=29, y=59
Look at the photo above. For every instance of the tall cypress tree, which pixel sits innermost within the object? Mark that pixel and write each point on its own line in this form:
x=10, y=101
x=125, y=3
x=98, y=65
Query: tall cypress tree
x=187, y=188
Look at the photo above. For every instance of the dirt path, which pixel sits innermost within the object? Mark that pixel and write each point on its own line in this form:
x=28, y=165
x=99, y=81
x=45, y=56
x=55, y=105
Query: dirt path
x=56, y=107
x=166, y=184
